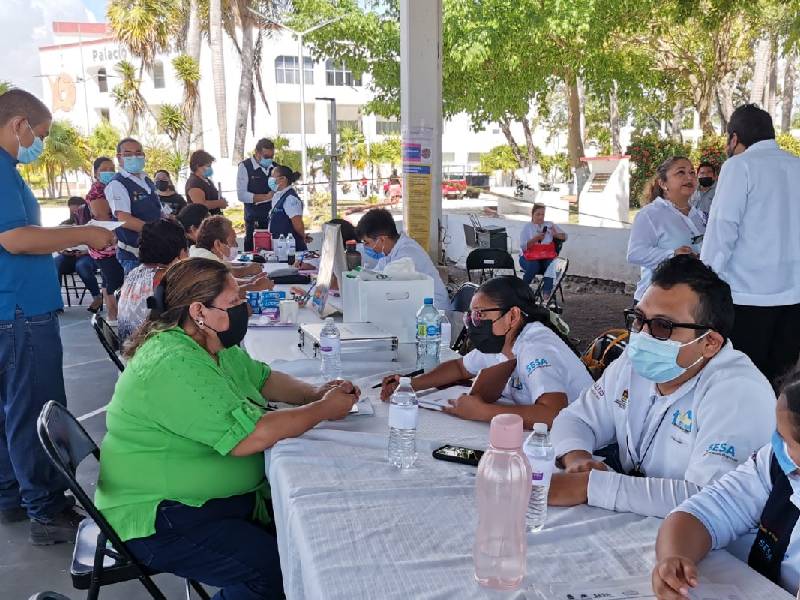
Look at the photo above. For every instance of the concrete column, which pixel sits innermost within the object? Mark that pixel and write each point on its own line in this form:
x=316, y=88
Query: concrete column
x=421, y=105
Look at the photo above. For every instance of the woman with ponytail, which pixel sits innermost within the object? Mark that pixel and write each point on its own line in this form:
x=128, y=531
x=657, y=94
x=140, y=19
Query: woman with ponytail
x=667, y=225
x=505, y=323
x=182, y=463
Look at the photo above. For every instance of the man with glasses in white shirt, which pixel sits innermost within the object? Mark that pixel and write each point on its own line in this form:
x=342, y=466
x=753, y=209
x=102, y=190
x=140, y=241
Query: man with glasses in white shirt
x=752, y=241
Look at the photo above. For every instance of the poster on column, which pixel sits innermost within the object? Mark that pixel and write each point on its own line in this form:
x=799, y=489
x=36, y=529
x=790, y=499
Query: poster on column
x=417, y=180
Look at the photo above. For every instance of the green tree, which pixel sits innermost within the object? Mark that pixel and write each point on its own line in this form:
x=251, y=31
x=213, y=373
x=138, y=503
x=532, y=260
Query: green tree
x=5, y=86
x=65, y=151
x=352, y=149
x=499, y=158
x=145, y=27
x=172, y=121
x=187, y=70
x=103, y=141
x=128, y=96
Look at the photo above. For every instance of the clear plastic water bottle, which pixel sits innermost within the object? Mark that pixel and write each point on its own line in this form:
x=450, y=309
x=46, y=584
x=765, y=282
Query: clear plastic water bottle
x=541, y=457
x=280, y=248
x=291, y=249
x=330, y=350
x=403, y=412
x=429, y=335
x=446, y=333
x=502, y=489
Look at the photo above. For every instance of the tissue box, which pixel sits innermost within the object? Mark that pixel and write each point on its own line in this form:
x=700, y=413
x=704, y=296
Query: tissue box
x=391, y=305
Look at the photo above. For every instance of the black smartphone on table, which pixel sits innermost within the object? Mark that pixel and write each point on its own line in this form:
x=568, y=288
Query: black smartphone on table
x=458, y=454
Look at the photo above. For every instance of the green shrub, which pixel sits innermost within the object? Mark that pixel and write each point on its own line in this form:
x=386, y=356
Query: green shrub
x=789, y=143
x=647, y=152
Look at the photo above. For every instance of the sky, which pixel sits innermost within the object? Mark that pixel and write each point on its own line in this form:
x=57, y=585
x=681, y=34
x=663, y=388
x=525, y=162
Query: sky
x=26, y=25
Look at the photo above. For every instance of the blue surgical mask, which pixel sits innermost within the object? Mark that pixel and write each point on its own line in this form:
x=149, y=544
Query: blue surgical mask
x=265, y=162
x=273, y=184
x=28, y=154
x=657, y=360
x=209, y=172
x=105, y=177
x=373, y=254
x=781, y=452
x=133, y=164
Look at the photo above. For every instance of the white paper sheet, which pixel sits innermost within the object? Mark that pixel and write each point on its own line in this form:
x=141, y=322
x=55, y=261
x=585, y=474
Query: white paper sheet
x=110, y=225
x=437, y=399
x=634, y=588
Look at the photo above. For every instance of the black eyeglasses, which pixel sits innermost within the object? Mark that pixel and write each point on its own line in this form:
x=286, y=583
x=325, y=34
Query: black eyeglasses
x=659, y=327
x=474, y=317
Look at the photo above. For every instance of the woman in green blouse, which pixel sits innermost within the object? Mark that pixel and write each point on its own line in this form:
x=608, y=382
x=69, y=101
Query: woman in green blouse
x=182, y=465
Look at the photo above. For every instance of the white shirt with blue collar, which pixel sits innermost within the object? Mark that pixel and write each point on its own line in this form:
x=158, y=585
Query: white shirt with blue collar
x=406, y=247
x=682, y=442
x=732, y=507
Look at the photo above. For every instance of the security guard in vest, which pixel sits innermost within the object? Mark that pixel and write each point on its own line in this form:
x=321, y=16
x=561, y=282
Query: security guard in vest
x=252, y=189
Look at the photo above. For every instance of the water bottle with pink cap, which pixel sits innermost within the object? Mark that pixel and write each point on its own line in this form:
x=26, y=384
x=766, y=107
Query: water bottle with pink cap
x=502, y=490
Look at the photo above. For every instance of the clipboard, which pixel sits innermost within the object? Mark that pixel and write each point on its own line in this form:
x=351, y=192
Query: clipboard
x=491, y=381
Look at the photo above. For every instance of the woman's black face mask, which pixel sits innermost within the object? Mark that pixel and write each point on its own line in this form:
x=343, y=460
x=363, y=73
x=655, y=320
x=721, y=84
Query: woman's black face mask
x=484, y=339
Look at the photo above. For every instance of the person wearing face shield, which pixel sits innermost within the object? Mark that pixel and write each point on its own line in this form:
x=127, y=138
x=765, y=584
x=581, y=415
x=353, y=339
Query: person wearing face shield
x=31, y=353
x=216, y=240
x=752, y=241
x=133, y=200
x=681, y=404
x=505, y=323
x=761, y=495
x=667, y=225
x=182, y=474
x=706, y=187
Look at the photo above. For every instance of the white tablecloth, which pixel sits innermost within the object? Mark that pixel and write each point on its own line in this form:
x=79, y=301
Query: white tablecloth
x=350, y=526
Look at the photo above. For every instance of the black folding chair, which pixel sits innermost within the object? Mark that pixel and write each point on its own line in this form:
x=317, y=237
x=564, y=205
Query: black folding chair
x=79, y=291
x=489, y=260
x=108, y=339
x=559, y=268
x=100, y=557
x=460, y=304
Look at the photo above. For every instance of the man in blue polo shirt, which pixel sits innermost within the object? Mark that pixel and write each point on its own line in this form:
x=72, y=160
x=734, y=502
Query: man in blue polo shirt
x=30, y=341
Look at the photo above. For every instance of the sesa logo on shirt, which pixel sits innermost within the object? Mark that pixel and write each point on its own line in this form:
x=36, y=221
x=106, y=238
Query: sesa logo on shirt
x=683, y=421
x=722, y=449
x=536, y=363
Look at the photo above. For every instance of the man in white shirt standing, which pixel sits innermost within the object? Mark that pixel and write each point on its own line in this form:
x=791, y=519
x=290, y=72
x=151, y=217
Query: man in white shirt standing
x=683, y=406
x=383, y=243
x=752, y=241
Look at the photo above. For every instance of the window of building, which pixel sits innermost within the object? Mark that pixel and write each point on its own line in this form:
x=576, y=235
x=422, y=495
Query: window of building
x=339, y=75
x=474, y=157
x=448, y=157
x=102, y=80
x=385, y=126
x=287, y=70
x=105, y=115
x=289, y=117
x=347, y=116
x=158, y=75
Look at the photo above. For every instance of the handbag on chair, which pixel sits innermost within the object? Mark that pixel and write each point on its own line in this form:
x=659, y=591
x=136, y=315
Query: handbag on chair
x=540, y=252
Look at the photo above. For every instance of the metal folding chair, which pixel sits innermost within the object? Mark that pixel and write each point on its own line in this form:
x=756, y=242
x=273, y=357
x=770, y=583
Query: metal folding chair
x=489, y=260
x=108, y=339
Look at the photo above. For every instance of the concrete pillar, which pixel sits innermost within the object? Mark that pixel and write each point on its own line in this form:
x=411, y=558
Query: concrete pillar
x=421, y=118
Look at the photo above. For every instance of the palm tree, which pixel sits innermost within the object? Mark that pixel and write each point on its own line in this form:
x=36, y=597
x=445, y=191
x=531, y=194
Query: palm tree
x=128, y=96
x=352, y=146
x=172, y=121
x=218, y=71
x=145, y=27
x=246, y=55
x=5, y=86
x=193, y=42
x=65, y=150
x=103, y=140
x=187, y=70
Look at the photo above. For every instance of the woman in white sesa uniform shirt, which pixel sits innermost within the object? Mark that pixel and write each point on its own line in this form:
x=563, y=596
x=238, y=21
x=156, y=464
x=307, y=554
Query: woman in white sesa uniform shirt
x=504, y=323
x=761, y=496
x=681, y=403
x=668, y=225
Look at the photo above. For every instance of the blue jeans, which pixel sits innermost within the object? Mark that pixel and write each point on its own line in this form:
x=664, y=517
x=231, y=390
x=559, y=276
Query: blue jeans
x=84, y=266
x=532, y=268
x=30, y=375
x=217, y=544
